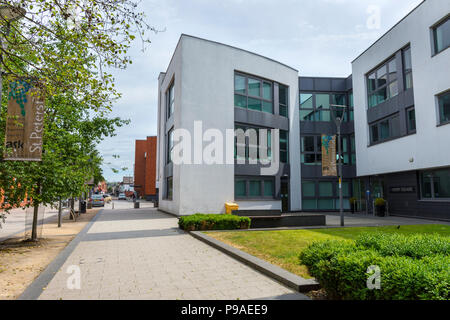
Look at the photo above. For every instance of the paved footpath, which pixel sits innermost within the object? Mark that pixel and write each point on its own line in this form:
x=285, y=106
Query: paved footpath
x=141, y=254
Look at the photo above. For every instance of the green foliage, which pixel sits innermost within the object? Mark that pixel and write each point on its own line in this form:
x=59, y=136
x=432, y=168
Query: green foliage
x=416, y=267
x=213, y=222
x=380, y=202
x=414, y=246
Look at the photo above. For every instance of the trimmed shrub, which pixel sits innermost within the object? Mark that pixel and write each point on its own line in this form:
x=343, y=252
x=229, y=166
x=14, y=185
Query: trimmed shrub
x=414, y=246
x=213, y=222
x=323, y=250
x=412, y=267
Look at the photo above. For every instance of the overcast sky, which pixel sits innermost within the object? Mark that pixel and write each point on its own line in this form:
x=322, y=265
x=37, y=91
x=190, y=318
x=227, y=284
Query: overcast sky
x=316, y=37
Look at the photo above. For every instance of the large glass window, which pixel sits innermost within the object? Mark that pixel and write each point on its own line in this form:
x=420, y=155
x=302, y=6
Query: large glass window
x=328, y=196
x=311, y=150
x=170, y=96
x=250, y=144
x=317, y=106
x=382, y=83
x=385, y=129
x=441, y=34
x=435, y=184
x=253, y=93
x=254, y=187
x=444, y=108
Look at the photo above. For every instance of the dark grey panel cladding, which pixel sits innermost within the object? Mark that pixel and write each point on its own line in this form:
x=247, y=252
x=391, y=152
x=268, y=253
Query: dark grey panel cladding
x=311, y=128
x=310, y=172
x=262, y=119
x=409, y=204
x=325, y=84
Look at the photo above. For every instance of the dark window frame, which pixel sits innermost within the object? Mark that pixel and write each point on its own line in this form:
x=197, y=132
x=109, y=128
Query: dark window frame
x=170, y=99
x=170, y=146
x=261, y=91
x=378, y=124
x=261, y=180
x=408, y=128
x=331, y=95
x=168, y=190
x=407, y=72
x=280, y=105
x=246, y=127
x=438, y=97
x=388, y=74
x=433, y=29
x=335, y=192
x=432, y=185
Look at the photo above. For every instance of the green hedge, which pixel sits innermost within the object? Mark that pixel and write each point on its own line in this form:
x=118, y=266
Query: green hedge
x=413, y=270
x=213, y=222
x=414, y=246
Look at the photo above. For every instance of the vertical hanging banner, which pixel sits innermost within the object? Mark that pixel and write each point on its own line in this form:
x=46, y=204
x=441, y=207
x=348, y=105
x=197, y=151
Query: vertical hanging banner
x=25, y=122
x=329, y=167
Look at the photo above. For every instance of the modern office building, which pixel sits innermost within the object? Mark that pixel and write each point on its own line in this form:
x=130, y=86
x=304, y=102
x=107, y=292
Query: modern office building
x=394, y=134
x=145, y=169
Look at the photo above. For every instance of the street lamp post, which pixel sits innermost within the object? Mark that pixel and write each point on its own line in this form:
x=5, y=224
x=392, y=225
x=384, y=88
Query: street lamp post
x=339, y=111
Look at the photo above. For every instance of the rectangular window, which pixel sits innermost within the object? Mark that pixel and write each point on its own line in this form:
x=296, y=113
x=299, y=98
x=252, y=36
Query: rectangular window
x=326, y=189
x=444, y=108
x=435, y=184
x=311, y=150
x=441, y=35
x=240, y=188
x=170, y=99
x=252, y=93
x=411, y=118
x=382, y=84
x=254, y=188
x=169, y=188
x=284, y=146
x=385, y=129
x=407, y=68
x=269, y=188
x=309, y=189
x=169, y=146
x=283, y=100
x=250, y=145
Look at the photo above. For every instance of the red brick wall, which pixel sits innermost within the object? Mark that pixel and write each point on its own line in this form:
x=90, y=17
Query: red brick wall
x=145, y=167
x=150, y=167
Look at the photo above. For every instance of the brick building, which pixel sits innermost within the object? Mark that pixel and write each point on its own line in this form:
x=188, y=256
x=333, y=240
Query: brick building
x=145, y=168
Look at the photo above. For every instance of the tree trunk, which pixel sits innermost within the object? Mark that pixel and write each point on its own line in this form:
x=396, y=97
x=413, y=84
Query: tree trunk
x=35, y=222
x=59, y=212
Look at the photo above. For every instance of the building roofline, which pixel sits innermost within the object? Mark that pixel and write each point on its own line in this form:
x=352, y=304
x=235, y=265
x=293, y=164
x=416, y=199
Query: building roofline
x=314, y=77
x=226, y=45
x=384, y=34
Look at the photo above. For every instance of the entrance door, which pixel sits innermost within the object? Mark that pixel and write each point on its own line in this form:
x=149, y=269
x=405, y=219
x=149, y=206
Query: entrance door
x=284, y=192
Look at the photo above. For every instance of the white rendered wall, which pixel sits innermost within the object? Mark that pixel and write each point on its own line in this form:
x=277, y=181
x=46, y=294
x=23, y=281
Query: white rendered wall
x=204, y=90
x=429, y=147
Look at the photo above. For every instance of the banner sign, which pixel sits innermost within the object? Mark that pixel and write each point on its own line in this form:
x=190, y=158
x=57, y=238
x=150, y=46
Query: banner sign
x=25, y=123
x=329, y=167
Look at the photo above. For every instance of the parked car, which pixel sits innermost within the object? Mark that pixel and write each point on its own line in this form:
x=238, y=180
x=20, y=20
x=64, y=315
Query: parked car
x=97, y=200
x=107, y=198
x=122, y=196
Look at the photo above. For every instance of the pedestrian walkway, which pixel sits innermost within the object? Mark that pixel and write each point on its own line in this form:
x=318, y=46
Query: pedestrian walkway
x=141, y=254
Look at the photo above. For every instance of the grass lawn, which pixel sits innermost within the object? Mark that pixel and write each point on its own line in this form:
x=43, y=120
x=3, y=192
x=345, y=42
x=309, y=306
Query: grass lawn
x=282, y=247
